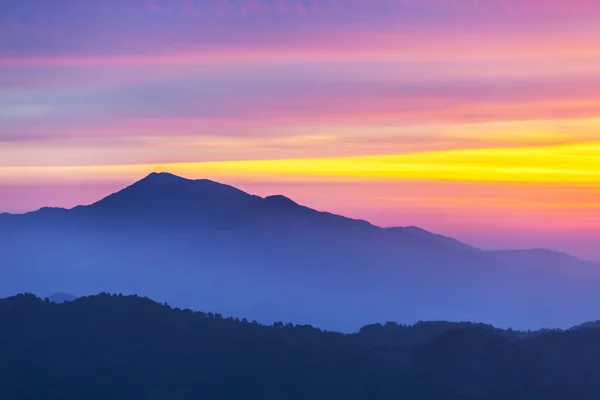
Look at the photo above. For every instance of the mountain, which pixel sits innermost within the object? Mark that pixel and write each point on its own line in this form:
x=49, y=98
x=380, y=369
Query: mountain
x=166, y=200
x=205, y=245
x=124, y=347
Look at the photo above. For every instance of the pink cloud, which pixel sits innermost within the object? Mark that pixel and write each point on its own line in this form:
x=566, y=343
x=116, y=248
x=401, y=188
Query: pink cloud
x=319, y=47
x=329, y=30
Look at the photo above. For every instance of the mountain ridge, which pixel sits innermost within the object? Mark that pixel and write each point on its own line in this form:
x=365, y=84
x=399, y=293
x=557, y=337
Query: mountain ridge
x=123, y=347
x=282, y=202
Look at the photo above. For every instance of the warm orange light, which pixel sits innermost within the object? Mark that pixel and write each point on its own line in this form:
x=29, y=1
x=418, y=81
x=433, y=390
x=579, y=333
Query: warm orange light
x=563, y=164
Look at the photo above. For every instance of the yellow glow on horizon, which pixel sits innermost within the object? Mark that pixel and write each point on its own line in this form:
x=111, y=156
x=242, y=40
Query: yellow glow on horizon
x=562, y=164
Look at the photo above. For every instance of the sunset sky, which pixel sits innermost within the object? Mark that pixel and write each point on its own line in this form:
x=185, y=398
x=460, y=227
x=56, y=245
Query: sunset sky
x=478, y=119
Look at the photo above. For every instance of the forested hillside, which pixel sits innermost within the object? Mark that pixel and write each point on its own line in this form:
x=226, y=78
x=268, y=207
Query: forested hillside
x=128, y=347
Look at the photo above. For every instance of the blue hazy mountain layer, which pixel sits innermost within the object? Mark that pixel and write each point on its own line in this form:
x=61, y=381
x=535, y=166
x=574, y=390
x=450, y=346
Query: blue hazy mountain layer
x=209, y=246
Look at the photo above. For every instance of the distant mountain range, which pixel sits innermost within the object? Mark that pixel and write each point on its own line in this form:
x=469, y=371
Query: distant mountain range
x=205, y=245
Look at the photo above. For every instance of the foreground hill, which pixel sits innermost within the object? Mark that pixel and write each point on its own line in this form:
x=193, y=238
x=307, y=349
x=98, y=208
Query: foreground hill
x=205, y=245
x=127, y=347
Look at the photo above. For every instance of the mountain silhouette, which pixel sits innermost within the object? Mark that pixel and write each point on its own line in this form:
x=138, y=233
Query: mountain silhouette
x=122, y=347
x=212, y=246
x=162, y=197
x=167, y=200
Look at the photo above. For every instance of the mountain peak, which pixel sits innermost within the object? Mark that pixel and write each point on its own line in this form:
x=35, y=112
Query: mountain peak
x=167, y=178
x=163, y=177
x=165, y=198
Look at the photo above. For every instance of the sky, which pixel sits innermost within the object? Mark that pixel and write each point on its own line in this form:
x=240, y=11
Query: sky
x=478, y=119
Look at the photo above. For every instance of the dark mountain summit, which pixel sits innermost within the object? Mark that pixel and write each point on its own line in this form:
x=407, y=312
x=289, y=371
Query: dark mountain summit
x=209, y=245
x=167, y=200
